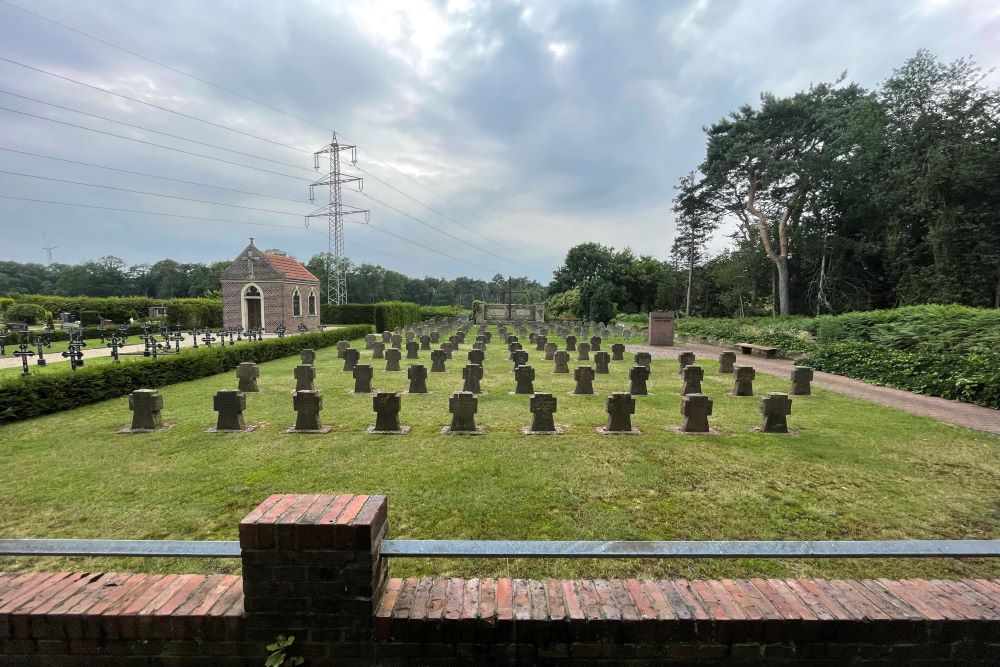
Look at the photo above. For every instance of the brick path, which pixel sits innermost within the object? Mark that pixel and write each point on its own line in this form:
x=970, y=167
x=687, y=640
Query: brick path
x=950, y=412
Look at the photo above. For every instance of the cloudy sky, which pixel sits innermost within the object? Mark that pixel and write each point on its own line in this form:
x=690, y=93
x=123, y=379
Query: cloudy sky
x=515, y=128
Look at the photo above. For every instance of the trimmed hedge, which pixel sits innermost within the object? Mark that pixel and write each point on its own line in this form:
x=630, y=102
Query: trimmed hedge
x=427, y=312
x=26, y=313
x=385, y=315
x=38, y=395
x=972, y=378
x=120, y=309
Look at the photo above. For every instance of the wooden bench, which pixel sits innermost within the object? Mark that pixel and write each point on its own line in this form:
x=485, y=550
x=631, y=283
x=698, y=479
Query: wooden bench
x=762, y=350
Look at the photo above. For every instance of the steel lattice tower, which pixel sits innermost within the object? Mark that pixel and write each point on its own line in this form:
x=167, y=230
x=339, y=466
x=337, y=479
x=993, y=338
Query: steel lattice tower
x=334, y=212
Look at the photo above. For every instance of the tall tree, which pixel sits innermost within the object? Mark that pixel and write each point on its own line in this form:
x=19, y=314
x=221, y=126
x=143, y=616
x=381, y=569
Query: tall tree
x=696, y=221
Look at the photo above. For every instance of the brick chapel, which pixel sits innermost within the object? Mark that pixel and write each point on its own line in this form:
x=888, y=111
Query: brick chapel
x=261, y=290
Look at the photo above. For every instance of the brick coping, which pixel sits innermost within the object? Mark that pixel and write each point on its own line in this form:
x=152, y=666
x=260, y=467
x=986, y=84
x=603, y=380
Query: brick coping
x=726, y=610
x=85, y=605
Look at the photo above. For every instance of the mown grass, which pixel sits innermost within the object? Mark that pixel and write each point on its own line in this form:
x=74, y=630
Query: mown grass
x=854, y=471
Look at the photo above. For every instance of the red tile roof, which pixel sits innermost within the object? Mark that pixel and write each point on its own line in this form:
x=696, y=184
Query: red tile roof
x=290, y=267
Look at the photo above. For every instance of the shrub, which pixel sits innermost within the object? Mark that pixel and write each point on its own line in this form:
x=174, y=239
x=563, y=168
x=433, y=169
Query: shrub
x=115, y=308
x=427, y=312
x=385, y=315
x=28, y=313
x=37, y=395
x=563, y=305
x=89, y=318
x=5, y=303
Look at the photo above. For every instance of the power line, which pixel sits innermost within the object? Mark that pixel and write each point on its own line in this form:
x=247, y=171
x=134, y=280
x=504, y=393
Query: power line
x=150, y=143
x=149, y=129
x=421, y=245
x=150, y=194
x=142, y=173
x=129, y=210
x=396, y=257
x=431, y=208
x=150, y=104
x=425, y=224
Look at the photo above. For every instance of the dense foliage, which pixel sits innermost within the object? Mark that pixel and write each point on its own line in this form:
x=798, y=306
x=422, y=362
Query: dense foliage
x=36, y=395
x=385, y=315
x=947, y=351
x=194, y=312
x=848, y=199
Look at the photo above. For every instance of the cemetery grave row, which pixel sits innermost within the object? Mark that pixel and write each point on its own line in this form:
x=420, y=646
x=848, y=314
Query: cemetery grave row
x=463, y=405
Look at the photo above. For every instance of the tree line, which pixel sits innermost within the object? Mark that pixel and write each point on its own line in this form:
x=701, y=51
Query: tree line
x=366, y=283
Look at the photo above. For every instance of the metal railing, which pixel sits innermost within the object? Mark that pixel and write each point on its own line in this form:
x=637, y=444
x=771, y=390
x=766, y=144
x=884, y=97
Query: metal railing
x=534, y=549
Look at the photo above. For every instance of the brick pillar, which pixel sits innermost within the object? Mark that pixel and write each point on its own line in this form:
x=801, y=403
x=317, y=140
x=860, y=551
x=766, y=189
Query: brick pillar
x=312, y=568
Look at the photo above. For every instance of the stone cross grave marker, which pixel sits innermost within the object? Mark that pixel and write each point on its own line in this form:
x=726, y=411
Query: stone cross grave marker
x=387, y=405
x=583, y=352
x=512, y=348
x=540, y=342
x=685, y=358
x=561, y=359
x=392, y=357
x=410, y=335
x=386, y=337
x=774, y=410
x=307, y=405
x=230, y=404
x=412, y=349
x=448, y=349
x=743, y=377
x=397, y=341
x=24, y=351
x=584, y=376
x=455, y=342
x=601, y=361
x=378, y=350
x=532, y=337
x=595, y=343
x=618, y=352
x=305, y=376
x=437, y=361
x=370, y=341
x=524, y=376
x=425, y=342
x=620, y=408
x=801, y=381
x=571, y=343
x=520, y=357
x=74, y=354
x=695, y=409
x=247, y=374
x=543, y=409
x=550, y=351
x=637, y=376
x=435, y=337
x=463, y=407
x=726, y=361
x=308, y=356
x=477, y=355
x=472, y=374
x=644, y=359
x=351, y=357
x=417, y=375
x=146, y=405
x=693, y=375
x=362, y=378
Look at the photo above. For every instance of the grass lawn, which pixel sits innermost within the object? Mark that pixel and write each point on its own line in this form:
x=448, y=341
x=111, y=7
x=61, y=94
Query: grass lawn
x=855, y=471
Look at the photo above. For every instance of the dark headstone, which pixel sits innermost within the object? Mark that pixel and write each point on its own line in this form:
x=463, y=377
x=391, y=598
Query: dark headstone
x=693, y=375
x=230, y=404
x=620, y=408
x=425, y=342
x=696, y=409
x=386, y=405
x=146, y=405
x=584, y=376
x=463, y=406
x=392, y=357
x=637, y=376
x=417, y=374
x=412, y=349
x=247, y=374
x=307, y=406
x=550, y=351
x=618, y=352
x=341, y=346
x=583, y=352
x=561, y=359
x=774, y=410
x=543, y=407
x=477, y=356
x=351, y=357
x=685, y=358
x=644, y=359
x=305, y=376
x=571, y=343
x=595, y=343
x=362, y=379
x=525, y=378
x=601, y=362
x=472, y=374
x=378, y=350
x=726, y=361
x=520, y=357
x=743, y=377
x=308, y=356
x=801, y=381
x=437, y=361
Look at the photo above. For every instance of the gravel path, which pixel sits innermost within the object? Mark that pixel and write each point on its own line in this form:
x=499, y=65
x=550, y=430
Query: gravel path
x=950, y=412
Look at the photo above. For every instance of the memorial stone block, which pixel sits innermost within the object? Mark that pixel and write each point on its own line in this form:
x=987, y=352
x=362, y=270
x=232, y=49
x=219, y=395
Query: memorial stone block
x=417, y=375
x=425, y=342
x=661, y=328
x=351, y=357
x=637, y=376
x=386, y=405
x=543, y=409
x=685, y=358
x=584, y=376
x=378, y=350
x=307, y=405
x=448, y=349
x=583, y=352
x=412, y=349
x=520, y=357
x=463, y=407
x=230, y=404
x=397, y=341
x=247, y=374
x=618, y=352
x=477, y=356
x=695, y=409
x=743, y=380
x=341, y=346
x=524, y=376
x=437, y=361
x=550, y=351
x=571, y=343
x=308, y=356
x=644, y=359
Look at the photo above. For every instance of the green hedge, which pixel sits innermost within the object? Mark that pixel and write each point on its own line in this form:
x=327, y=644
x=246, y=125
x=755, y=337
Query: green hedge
x=26, y=313
x=38, y=395
x=120, y=309
x=385, y=315
x=972, y=378
x=427, y=312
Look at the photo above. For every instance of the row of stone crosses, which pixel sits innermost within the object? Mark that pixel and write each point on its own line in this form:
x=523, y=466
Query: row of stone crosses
x=115, y=339
x=308, y=402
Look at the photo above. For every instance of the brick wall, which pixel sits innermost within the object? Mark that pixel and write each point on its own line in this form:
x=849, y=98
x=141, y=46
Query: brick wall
x=312, y=568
